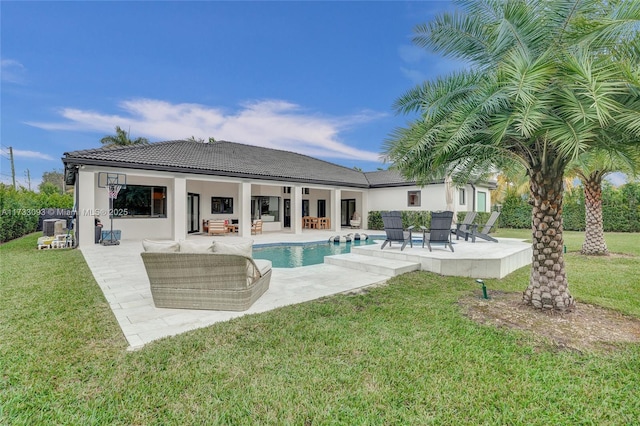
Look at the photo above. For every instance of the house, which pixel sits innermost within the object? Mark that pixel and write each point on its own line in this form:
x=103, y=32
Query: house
x=173, y=186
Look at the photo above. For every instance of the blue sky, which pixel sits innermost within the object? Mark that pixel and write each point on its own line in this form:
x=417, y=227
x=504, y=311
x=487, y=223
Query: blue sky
x=318, y=78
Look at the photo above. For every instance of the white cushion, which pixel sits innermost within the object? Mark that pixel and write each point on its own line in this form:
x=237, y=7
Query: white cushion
x=165, y=246
x=189, y=246
x=263, y=265
x=240, y=249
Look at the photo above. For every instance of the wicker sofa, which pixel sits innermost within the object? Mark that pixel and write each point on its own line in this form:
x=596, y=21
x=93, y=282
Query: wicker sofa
x=217, y=276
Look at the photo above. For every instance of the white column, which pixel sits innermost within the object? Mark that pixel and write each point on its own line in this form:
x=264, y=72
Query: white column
x=365, y=210
x=179, y=209
x=336, y=205
x=296, y=209
x=87, y=207
x=244, y=198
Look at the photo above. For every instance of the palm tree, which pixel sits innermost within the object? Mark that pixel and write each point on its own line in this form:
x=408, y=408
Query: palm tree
x=121, y=138
x=591, y=168
x=539, y=91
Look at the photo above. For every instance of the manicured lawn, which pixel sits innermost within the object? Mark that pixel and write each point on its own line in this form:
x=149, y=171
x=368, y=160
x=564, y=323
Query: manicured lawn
x=399, y=354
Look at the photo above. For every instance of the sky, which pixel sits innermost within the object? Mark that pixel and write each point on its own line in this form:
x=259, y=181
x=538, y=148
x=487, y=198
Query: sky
x=318, y=78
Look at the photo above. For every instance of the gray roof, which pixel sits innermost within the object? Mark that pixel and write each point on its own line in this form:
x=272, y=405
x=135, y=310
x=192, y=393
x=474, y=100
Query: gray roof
x=221, y=159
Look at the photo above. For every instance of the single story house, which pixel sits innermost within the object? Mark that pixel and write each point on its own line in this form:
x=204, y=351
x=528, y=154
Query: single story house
x=173, y=186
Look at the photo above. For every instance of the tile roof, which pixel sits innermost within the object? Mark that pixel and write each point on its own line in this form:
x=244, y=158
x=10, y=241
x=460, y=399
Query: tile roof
x=386, y=178
x=221, y=158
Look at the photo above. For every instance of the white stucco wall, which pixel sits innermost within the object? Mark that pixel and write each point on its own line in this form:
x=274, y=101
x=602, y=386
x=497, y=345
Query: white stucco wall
x=94, y=200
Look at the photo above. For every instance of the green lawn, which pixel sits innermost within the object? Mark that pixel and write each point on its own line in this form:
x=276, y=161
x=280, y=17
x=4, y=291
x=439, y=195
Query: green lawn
x=399, y=354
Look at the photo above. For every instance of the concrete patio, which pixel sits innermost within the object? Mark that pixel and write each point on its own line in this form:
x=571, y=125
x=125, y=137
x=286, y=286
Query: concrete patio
x=120, y=273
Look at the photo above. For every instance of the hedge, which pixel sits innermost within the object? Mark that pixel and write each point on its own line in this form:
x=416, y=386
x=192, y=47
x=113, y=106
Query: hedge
x=620, y=209
x=20, y=210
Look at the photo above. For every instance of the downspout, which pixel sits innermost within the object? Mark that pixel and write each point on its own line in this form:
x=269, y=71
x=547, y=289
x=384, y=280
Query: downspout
x=76, y=204
x=473, y=197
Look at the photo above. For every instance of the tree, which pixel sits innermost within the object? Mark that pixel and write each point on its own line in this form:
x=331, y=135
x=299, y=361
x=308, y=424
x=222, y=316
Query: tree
x=55, y=178
x=121, y=138
x=591, y=168
x=539, y=91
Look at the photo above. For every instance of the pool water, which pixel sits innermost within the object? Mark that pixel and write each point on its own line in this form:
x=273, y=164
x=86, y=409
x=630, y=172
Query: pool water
x=293, y=256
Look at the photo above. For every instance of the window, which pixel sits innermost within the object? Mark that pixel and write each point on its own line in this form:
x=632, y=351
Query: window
x=141, y=201
x=413, y=198
x=221, y=205
x=266, y=208
x=463, y=200
x=286, y=189
x=305, y=191
x=482, y=201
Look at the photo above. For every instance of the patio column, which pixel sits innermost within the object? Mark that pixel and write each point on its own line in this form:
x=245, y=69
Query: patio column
x=365, y=209
x=85, y=221
x=296, y=209
x=179, y=209
x=244, y=198
x=336, y=205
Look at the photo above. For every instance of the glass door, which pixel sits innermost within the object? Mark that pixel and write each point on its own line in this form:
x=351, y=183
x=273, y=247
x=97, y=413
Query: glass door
x=287, y=213
x=347, y=209
x=193, y=212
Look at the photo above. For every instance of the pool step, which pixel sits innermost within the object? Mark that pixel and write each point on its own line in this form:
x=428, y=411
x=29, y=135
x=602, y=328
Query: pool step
x=388, y=267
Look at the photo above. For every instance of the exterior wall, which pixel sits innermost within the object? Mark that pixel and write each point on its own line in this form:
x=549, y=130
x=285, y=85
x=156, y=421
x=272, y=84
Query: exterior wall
x=432, y=197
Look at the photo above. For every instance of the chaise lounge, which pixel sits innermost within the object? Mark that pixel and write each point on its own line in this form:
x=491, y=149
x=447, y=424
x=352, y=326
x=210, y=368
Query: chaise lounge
x=215, y=276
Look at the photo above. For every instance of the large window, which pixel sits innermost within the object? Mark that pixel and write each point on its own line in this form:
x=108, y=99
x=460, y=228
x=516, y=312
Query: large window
x=141, y=201
x=221, y=205
x=265, y=208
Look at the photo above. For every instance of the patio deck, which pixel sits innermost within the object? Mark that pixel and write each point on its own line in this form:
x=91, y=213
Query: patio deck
x=120, y=273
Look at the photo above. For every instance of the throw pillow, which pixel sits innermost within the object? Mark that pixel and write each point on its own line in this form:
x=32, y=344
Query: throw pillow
x=166, y=246
x=240, y=249
x=189, y=246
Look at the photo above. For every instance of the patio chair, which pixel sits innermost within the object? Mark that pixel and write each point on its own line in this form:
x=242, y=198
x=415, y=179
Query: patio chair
x=463, y=229
x=256, y=227
x=395, y=231
x=356, y=220
x=440, y=231
x=218, y=227
x=484, y=233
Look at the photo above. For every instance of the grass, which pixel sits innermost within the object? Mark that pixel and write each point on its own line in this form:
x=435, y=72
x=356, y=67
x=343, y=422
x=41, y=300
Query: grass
x=399, y=354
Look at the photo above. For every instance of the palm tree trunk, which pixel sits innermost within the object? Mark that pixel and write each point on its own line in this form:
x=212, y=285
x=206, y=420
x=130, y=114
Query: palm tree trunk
x=548, y=286
x=594, y=243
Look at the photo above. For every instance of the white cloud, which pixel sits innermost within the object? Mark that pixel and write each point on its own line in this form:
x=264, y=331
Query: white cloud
x=34, y=155
x=270, y=123
x=12, y=71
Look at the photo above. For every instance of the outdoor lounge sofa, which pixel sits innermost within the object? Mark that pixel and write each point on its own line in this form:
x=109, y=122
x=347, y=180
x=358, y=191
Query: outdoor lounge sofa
x=217, y=276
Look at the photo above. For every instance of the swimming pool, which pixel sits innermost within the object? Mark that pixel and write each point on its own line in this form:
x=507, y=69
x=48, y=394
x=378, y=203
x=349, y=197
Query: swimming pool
x=294, y=256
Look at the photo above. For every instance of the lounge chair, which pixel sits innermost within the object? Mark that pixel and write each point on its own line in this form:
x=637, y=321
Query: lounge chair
x=256, y=227
x=440, y=230
x=395, y=231
x=484, y=233
x=463, y=229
